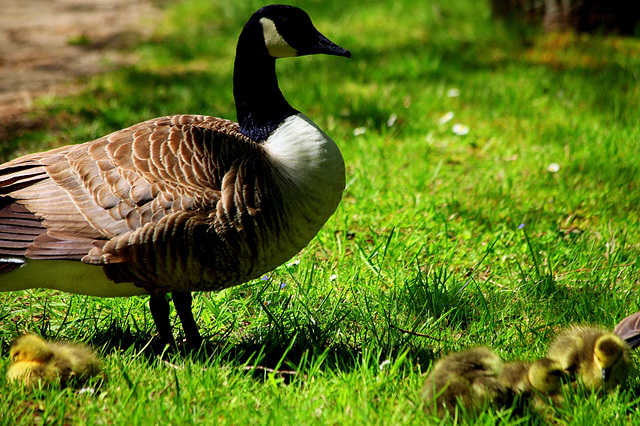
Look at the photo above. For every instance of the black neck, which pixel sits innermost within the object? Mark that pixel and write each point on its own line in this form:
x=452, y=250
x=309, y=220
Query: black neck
x=260, y=105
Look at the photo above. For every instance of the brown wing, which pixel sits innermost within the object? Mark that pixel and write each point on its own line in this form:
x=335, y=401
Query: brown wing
x=63, y=203
x=205, y=250
x=629, y=330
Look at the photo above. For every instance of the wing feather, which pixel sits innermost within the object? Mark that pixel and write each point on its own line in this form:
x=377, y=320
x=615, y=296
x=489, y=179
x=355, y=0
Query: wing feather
x=72, y=201
x=629, y=330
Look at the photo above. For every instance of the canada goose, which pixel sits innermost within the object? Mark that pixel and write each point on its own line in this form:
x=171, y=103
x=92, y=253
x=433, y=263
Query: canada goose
x=181, y=203
x=468, y=378
x=592, y=355
x=629, y=330
x=35, y=360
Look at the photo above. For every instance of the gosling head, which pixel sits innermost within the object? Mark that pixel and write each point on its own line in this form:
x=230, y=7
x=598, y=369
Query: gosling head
x=608, y=354
x=30, y=348
x=547, y=376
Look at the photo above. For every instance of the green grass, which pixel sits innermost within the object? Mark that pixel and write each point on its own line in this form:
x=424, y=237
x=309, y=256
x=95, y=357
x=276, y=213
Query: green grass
x=424, y=256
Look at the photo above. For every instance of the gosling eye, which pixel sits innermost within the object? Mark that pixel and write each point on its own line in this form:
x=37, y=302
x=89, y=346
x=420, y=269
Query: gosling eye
x=15, y=356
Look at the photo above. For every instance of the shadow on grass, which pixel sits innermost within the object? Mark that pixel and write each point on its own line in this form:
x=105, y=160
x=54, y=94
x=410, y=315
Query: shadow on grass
x=406, y=323
x=272, y=354
x=301, y=335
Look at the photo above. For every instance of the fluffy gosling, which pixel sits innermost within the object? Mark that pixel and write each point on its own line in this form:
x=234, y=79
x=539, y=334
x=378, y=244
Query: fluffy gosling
x=592, y=355
x=533, y=383
x=468, y=378
x=543, y=376
x=35, y=361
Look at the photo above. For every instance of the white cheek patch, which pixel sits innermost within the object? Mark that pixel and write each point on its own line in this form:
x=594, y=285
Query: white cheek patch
x=276, y=44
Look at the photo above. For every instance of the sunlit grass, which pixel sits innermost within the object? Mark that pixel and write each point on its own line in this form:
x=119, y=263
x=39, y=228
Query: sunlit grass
x=424, y=256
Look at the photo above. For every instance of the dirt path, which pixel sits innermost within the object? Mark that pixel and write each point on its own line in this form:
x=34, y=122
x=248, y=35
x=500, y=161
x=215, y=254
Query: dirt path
x=46, y=44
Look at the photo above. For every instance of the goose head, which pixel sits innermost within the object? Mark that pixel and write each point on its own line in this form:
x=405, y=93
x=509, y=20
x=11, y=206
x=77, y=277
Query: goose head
x=288, y=31
x=608, y=354
x=30, y=348
x=546, y=376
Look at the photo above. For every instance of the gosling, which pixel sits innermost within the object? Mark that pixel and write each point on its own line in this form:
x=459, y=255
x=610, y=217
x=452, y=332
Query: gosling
x=592, y=355
x=468, y=378
x=35, y=361
x=543, y=376
x=536, y=384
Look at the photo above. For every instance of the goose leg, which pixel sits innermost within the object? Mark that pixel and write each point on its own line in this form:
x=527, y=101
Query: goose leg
x=159, y=306
x=182, y=302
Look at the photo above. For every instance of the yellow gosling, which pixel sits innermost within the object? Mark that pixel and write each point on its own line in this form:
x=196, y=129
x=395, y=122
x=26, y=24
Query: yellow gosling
x=30, y=373
x=34, y=360
x=593, y=356
x=543, y=376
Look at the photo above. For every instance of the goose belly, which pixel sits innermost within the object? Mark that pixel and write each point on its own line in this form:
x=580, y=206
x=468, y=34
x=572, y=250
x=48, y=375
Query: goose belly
x=67, y=276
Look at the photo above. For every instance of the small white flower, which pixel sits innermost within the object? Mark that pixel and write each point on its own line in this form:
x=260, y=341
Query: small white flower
x=392, y=120
x=453, y=93
x=445, y=118
x=90, y=391
x=553, y=167
x=460, y=129
x=359, y=131
x=333, y=277
x=295, y=262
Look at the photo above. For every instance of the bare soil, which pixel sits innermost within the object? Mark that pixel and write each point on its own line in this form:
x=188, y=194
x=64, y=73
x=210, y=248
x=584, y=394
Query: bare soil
x=46, y=45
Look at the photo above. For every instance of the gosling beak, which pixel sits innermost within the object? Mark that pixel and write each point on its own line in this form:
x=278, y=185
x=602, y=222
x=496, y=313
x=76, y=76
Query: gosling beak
x=606, y=374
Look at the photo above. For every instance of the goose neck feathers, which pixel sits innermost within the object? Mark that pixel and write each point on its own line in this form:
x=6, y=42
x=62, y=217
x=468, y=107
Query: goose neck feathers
x=260, y=105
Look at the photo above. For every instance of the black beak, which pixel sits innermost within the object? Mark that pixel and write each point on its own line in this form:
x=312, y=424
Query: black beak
x=606, y=374
x=323, y=45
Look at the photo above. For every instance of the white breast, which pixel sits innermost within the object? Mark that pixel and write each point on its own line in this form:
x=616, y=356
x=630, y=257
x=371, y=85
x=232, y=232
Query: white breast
x=312, y=176
x=310, y=165
x=308, y=158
